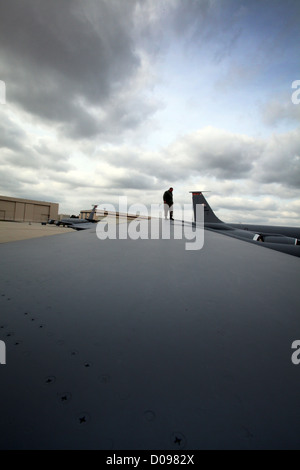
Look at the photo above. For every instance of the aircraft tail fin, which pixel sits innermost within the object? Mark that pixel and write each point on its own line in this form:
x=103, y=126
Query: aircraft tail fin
x=209, y=215
x=91, y=216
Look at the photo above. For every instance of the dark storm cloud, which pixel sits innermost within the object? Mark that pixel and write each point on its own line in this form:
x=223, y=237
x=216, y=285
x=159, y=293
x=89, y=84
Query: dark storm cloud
x=227, y=156
x=10, y=184
x=280, y=160
x=11, y=137
x=81, y=77
x=74, y=182
x=215, y=153
x=136, y=180
x=18, y=151
x=30, y=158
x=276, y=111
x=210, y=153
x=242, y=204
x=59, y=57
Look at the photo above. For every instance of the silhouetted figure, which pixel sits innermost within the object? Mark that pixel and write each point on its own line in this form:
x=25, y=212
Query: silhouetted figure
x=168, y=203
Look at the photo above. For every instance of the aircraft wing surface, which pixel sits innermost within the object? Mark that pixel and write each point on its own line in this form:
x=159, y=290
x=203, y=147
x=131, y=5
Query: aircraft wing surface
x=144, y=345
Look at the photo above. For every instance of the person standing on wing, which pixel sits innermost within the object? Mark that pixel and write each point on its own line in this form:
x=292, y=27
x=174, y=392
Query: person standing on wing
x=168, y=203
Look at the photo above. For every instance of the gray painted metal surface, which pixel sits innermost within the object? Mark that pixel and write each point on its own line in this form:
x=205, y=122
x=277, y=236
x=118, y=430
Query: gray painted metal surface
x=143, y=345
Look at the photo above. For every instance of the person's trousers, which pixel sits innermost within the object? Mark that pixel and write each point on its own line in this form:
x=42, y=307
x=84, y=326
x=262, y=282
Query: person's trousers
x=167, y=210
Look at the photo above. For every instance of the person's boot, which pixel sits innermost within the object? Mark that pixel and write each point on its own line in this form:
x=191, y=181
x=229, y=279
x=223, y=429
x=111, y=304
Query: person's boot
x=171, y=216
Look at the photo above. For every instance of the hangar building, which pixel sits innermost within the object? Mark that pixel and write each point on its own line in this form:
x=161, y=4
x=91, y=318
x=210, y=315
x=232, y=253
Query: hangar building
x=25, y=210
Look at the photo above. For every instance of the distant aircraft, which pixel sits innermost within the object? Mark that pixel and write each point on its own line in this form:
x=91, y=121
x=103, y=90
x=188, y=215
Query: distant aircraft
x=284, y=239
x=79, y=224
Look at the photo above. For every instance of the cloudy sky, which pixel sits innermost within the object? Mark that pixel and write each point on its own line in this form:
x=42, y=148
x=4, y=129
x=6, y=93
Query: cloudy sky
x=109, y=98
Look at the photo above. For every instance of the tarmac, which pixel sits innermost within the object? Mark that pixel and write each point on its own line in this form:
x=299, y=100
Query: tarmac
x=14, y=231
x=17, y=231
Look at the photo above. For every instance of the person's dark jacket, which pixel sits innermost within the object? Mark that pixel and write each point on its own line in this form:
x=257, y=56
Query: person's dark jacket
x=168, y=198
